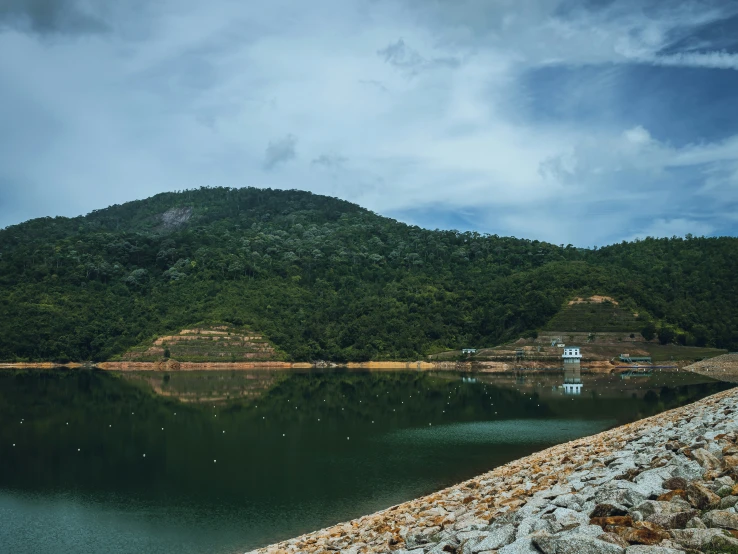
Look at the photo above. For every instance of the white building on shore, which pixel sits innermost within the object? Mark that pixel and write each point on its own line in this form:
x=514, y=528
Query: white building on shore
x=571, y=354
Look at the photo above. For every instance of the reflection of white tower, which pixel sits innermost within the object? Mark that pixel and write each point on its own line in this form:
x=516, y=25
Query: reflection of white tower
x=572, y=378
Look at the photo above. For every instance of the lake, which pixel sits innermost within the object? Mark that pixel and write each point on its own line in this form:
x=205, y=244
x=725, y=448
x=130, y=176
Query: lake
x=223, y=462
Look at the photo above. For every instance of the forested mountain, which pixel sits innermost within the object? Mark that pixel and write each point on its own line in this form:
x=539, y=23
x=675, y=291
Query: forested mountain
x=325, y=279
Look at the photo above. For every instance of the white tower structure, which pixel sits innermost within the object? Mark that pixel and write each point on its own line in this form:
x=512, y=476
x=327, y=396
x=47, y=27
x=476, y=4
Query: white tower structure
x=571, y=354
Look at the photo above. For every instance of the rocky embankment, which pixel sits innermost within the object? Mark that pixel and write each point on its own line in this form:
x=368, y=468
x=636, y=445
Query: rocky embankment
x=723, y=367
x=663, y=485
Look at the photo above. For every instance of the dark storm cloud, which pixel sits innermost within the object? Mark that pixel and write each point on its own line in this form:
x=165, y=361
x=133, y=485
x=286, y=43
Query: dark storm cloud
x=280, y=151
x=48, y=17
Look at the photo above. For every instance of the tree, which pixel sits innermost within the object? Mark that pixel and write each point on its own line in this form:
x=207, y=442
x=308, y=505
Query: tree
x=649, y=331
x=666, y=335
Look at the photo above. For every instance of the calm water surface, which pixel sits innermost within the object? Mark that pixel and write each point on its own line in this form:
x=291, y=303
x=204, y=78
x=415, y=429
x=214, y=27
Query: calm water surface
x=223, y=462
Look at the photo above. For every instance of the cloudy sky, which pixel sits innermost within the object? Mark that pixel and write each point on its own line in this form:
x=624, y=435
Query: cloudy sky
x=572, y=121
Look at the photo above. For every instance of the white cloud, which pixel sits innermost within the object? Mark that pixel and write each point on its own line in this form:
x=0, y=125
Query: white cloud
x=398, y=106
x=712, y=60
x=638, y=135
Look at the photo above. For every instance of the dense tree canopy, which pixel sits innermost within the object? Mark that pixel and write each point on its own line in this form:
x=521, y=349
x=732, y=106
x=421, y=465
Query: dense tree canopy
x=324, y=278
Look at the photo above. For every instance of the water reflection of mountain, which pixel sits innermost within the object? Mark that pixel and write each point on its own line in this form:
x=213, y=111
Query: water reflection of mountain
x=550, y=383
x=207, y=386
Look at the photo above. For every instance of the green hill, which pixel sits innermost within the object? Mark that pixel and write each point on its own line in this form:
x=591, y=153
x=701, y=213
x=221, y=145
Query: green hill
x=325, y=279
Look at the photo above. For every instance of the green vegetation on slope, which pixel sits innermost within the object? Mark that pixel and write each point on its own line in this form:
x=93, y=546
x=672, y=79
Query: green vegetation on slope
x=323, y=278
x=595, y=317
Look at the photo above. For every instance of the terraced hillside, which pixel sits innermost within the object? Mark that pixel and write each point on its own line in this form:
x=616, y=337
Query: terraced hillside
x=207, y=343
x=597, y=314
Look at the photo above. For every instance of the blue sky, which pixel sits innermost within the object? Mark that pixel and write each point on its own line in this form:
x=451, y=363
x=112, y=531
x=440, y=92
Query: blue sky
x=572, y=121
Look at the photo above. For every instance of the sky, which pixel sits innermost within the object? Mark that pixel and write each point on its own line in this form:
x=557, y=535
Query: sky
x=571, y=121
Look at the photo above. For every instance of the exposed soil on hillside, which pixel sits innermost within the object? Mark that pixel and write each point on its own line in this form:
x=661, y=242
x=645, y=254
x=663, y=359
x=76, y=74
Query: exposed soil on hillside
x=207, y=344
x=596, y=299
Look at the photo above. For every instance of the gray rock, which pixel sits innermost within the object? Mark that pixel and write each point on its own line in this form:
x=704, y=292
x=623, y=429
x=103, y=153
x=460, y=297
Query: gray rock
x=496, y=538
x=469, y=535
x=523, y=545
x=589, y=530
x=444, y=546
x=676, y=520
x=650, y=481
x=695, y=523
x=696, y=538
x=575, y=544
x=607, y=510
x=728, y=502
x=683, y=467
x=557, y=490
x=571, y=501
x=564, y=518
x=725, y=480
x=650, y=507
x=623, y=493
x=532, y=507
x=721, y=519
x=532, y=525
x=641, y=549
x=675, y=483
x=724, y=543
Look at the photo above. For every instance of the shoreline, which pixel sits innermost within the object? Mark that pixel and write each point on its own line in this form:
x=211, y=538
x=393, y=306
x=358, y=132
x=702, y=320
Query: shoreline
x=480, y=506
x=597, y=366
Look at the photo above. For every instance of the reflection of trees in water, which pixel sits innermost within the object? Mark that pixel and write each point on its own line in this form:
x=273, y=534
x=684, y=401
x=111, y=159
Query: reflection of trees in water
x=206, y=386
